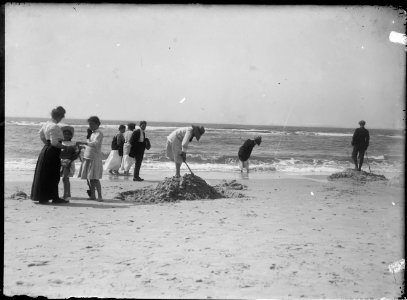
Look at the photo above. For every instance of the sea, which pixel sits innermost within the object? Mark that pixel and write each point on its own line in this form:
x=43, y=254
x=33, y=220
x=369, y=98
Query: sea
x=284, y=149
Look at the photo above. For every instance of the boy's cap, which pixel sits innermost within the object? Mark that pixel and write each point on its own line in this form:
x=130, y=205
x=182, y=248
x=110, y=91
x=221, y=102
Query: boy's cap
x=68, y=128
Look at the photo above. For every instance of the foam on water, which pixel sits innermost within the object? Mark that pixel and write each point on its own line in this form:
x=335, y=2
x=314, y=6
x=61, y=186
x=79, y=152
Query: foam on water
x=27, y=166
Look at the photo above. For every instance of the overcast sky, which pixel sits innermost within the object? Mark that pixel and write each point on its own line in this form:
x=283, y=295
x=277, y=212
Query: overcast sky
x=266, y=65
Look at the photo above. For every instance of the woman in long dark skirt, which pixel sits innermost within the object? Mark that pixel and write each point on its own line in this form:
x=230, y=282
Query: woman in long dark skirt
x=47, y=170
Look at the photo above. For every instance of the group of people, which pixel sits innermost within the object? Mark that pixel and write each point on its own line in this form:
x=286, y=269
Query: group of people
x=57, y=158
x=127, y=149
x=59, y=152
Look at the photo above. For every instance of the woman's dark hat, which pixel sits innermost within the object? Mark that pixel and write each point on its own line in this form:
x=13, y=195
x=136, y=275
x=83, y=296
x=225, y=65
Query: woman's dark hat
x=198, y=131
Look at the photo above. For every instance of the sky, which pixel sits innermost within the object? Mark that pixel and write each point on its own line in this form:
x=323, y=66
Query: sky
x=267, y=65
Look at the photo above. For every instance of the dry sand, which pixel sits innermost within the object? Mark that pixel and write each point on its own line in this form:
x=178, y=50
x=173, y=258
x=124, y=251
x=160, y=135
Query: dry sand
x=289, y=238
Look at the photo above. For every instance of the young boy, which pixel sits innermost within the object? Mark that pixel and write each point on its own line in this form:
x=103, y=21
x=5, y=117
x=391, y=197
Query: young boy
x=245, y=151
x=67, y=159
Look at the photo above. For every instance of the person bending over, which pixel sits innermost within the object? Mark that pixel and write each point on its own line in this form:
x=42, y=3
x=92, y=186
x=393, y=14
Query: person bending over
x=245, y=151
x=177, y=144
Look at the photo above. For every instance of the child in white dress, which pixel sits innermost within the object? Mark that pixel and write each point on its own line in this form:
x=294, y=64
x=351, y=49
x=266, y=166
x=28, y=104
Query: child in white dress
x=92, y=165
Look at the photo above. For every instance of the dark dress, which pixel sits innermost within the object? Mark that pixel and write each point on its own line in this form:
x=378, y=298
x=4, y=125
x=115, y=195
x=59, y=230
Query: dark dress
x=137, y=150
x=47, y=174
x=120, y=143
x=246, y=150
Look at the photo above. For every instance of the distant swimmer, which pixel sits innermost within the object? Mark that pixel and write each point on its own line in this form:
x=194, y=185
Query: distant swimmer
x=360, y=142
x=245, y=151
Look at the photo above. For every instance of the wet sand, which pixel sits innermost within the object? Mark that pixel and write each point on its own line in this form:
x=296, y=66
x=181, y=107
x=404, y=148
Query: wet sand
x=291, y=237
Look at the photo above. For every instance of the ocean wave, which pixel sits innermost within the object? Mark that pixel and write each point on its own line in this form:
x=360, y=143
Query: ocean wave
x=25, y=123
x=260, y=131
x=149, y=128
x=393, y=136
x=227, y=165
x=311, y=133
x=380, y=157
x=333, y=134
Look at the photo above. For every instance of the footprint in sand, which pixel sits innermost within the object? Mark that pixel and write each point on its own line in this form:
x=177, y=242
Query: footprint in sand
x=241, y=266
x=41, y=263
x=55, y=281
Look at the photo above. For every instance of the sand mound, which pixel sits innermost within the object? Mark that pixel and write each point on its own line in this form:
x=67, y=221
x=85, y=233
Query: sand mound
x=360, y=176
x=231, y=185
x=190, y=187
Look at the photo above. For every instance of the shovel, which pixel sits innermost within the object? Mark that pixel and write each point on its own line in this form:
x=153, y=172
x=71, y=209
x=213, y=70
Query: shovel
x=189, y=168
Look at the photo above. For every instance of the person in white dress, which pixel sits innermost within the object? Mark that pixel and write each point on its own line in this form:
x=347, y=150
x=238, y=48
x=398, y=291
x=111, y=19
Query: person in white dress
x=127, y=161
x=92, y=165
x=177, y=144
x=114, y=160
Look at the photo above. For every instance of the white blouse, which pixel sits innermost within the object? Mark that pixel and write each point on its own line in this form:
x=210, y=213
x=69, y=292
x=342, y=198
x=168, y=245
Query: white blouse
x=141, y=138
x=182, y=135
x=93, y=149
x=127, y=146
x=50, y=131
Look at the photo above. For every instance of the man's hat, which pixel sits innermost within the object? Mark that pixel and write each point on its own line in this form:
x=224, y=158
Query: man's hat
x=69, y=128
x=198, y=131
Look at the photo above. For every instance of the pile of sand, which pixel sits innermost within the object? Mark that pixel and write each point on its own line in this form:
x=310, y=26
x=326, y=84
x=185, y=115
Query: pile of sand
x=360, y=176
x=231, y=185
x=190, y=187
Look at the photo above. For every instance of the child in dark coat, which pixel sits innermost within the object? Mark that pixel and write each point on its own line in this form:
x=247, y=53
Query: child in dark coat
x=245, y=151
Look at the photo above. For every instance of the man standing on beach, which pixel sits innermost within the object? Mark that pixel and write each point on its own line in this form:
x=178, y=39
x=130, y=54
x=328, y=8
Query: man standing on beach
x=360, y=142
x=138, y=145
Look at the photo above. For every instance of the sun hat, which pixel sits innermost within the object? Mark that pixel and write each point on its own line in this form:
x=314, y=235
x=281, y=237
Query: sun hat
x=198, y=131
x=68, y=128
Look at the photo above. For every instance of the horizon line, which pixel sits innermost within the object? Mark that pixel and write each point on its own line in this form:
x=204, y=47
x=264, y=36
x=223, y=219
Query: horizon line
x=221, y=123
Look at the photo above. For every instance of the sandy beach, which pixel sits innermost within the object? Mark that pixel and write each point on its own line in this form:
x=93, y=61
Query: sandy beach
x=290, y=237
